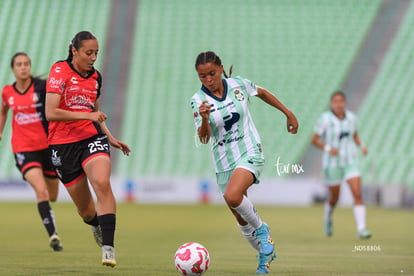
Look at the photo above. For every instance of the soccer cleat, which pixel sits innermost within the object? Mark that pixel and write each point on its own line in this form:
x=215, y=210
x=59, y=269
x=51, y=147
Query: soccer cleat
x=328, y=228
x=55, y=243
x=97, y=234
x=364, y=234
x=264, y=262
x=263, y=235
x=108, y=256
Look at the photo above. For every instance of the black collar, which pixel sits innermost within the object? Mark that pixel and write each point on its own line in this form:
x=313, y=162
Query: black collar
x=90, y=73
x=25, y=91
x=205, y=90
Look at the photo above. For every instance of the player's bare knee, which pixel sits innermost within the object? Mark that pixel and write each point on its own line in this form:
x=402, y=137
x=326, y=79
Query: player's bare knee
x=101, y=184
x=233, y=200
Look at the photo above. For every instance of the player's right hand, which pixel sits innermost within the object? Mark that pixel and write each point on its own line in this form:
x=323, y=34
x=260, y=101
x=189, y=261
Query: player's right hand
x=97, y=117
x=204, y=109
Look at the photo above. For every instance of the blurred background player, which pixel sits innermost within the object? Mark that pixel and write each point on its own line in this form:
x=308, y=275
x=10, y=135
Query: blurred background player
x=222, y=117
x=26, y=99
x=79, y=139
x=338, y=129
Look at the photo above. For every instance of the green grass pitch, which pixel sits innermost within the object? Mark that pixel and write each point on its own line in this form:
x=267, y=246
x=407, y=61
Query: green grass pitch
x=147, y=237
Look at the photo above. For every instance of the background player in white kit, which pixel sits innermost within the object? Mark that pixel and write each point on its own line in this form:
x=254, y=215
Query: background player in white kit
x=222, y=117
x=338, y=129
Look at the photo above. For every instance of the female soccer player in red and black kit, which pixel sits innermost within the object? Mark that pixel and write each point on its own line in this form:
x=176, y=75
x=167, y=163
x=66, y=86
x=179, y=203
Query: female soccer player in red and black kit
x=26, y=99
x=79, y=139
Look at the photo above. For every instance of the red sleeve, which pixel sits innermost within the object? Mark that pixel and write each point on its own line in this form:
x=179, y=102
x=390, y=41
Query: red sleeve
x=4, y=102
x=56, y=81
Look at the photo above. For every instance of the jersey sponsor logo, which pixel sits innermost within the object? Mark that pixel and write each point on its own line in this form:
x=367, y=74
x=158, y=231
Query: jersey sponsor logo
x=73, y=88
x=80, y=102
x=56, y=160
x=230, y=140
x=55, y=83
x=221, y=107
x=239, y=95
x=230, y=120
x=89, y=91
x=25, y=118
x=23, y=107
x=343, y=134
x=79, y=98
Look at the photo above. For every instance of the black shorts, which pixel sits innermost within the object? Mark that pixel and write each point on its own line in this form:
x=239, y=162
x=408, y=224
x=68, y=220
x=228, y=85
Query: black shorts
x=69, y=159
x=35, y=159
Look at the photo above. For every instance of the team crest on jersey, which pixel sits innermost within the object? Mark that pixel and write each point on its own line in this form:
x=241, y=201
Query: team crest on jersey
x=239, y=95
x=195, y=114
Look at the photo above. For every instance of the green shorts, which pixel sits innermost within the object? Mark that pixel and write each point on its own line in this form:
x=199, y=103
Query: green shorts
x=252, y=164
x=334, y=176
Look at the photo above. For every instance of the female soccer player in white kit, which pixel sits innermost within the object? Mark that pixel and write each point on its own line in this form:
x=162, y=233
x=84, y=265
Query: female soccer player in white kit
x=221, y=116
x=338, y=129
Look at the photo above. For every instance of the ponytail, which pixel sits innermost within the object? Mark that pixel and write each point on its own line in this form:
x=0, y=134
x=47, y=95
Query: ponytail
x=230, y=72
x=70, y=54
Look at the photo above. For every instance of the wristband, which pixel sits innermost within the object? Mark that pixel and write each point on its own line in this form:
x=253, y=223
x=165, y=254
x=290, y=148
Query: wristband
x=361, y=145
x=327, y=148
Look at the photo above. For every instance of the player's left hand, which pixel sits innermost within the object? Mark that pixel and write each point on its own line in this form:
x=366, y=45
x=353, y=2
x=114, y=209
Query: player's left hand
x=120, y=145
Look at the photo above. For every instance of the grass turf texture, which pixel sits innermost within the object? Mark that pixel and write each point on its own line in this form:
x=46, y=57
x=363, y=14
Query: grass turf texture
x=147, y=237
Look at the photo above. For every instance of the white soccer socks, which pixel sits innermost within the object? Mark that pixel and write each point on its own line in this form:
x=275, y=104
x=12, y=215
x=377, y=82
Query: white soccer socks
x=247, y=211
x=247, y=231
x=360, y=216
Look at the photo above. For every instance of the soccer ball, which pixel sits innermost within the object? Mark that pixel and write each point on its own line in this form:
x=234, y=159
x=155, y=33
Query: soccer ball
x=191, y=259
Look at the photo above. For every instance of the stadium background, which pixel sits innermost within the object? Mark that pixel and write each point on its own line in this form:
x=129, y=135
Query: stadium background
x=300, y=50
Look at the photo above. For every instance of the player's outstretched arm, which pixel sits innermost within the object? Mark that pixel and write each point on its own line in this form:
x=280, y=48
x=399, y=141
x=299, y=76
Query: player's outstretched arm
x=269, y=98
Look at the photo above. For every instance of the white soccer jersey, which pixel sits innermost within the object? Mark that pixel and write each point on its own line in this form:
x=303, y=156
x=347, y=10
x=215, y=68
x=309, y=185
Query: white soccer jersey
x=339, y=134
x=233, y=132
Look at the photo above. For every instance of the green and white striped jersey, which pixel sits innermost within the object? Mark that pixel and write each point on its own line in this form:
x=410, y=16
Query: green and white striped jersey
x=234, y=135
x=339, y=134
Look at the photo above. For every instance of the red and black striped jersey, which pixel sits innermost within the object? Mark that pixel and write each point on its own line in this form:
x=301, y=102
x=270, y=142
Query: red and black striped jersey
x=29, y=125
x=78, y=94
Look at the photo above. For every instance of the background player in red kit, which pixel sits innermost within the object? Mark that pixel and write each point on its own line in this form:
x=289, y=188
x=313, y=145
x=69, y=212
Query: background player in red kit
x=79, y=139
x=26, y=99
